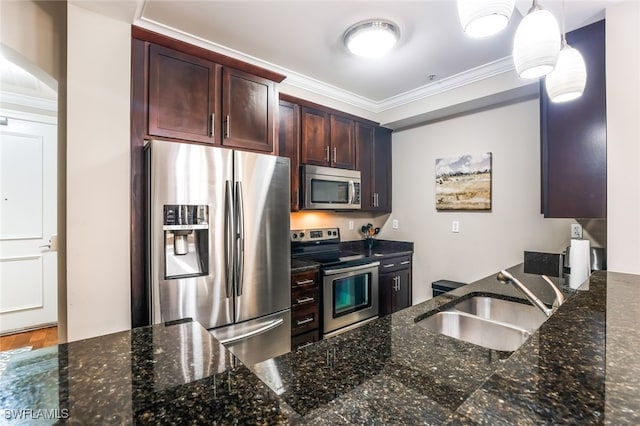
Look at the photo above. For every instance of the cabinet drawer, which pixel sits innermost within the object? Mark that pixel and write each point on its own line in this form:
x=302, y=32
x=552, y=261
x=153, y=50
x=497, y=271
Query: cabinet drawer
x=395, y=264
x=302, y=340
x=304, y=279
x=304, y=318
x=304, y=296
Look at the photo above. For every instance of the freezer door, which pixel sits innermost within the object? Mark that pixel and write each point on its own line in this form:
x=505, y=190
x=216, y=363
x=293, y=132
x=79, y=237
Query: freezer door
x=258, y=340
x=189, y=174
x=262, y=249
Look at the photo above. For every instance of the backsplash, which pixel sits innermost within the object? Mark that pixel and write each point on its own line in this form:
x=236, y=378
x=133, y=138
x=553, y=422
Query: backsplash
x=322, y=219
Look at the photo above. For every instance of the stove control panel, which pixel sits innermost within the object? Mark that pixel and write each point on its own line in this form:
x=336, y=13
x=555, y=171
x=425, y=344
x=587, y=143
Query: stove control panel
x=314, y=235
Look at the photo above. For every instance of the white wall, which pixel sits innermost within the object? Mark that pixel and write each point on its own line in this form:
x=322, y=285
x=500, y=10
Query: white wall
x=623, y=137
x=98, y=165
x=488, y=241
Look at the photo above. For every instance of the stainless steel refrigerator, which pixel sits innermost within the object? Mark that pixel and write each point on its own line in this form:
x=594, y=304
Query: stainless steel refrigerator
x=218, y=244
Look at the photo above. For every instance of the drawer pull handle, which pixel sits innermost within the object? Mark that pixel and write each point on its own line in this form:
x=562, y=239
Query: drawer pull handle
x=304, y=282
x=389, y=265
x=304, y=321
x=305, y=300
x=304, y=345
x=405, y=262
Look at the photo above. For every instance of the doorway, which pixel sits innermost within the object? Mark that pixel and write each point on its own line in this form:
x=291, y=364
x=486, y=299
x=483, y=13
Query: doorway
x=28, y=201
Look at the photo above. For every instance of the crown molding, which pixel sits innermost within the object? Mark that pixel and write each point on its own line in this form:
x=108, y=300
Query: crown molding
x=312, y=85
x=28, y=116
x=29, y=101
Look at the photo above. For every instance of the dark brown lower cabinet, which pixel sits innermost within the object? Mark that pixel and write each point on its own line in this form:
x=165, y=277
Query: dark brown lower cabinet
x=395, y=284
x=305, y=309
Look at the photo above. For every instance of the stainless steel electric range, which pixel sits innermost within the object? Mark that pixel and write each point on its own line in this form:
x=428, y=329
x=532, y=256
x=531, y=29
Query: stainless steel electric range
x=349, y=279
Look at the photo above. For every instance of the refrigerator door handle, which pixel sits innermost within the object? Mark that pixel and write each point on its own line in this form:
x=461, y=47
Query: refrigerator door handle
x=269, y=326
x=240, y=239
x=228, y=238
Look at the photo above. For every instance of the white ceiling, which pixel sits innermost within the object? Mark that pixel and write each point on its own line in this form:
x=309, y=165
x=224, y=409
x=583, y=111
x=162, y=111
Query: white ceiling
x=303, y=39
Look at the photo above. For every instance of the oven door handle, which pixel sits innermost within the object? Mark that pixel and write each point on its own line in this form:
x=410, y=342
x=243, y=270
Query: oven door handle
x=351, y=269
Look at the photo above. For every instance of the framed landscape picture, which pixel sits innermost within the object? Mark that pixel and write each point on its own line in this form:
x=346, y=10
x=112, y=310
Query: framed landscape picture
x=464, y=182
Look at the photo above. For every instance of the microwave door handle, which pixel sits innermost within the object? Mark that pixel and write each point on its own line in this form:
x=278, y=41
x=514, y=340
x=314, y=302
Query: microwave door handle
x=229, y=238
x=352, y=192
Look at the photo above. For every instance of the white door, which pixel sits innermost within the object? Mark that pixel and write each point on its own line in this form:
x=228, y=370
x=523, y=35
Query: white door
x=28, y=216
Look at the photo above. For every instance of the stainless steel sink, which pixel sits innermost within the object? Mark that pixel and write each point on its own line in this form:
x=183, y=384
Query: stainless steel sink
x=476, y=330
x=517, y=314
x=487, y=321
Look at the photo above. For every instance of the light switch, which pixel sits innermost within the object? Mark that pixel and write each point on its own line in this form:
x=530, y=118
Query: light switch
x=455, y=226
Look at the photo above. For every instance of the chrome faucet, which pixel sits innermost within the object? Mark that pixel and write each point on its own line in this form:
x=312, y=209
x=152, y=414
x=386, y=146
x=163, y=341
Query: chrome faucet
x=506, y=278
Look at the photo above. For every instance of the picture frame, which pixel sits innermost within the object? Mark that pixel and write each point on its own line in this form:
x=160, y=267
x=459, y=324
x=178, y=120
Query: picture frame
x=463, y=183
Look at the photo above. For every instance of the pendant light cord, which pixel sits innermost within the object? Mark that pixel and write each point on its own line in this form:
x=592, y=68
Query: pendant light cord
x=564, y=30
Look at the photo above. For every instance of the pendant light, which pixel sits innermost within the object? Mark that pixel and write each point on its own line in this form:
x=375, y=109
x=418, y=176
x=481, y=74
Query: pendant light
x=536, y=45
x=483, y=18
x=567, y=81
x=371, y=39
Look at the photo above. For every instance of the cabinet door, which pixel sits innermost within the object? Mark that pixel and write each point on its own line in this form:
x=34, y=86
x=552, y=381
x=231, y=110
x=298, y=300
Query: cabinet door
x=315, y=131
x=248, y=109
x=386, y=283
x=364, y=163
x=402, y=294
x=182, y=96
x=574, y=138
x=289, y=146
x=382, y=170
x=343, y=143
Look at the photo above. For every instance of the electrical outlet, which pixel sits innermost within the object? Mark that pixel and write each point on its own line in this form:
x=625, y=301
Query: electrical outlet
x=350, y=225
x=576, y=230
x=394, y=223
x=455, y=226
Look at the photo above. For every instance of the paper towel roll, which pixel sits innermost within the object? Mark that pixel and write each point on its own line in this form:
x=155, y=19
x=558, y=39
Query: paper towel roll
x=580, y=261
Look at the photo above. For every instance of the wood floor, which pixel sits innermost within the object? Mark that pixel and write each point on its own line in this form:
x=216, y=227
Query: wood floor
x=37, y=339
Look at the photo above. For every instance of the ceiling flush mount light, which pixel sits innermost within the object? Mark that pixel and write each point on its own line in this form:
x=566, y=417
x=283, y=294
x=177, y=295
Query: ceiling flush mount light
x=567, y=81
x=483, y=18
x=371, y=39
x=536, y=45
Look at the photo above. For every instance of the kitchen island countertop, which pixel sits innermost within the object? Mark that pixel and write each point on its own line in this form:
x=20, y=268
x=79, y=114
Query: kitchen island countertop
x=387, y=371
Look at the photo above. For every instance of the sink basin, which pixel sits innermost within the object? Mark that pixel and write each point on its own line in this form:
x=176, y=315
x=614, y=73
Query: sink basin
x=516, y=314
x=476, y=330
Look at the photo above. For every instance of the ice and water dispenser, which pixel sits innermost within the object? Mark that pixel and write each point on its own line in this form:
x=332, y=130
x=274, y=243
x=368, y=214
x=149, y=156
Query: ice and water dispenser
x=186, y=240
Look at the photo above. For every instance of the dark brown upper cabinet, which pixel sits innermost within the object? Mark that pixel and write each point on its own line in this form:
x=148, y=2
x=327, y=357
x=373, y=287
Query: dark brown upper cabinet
x=183, y=93
x=343, y=143
x=315, y=136
x=574, y=138
x=198, y=95
x=374, y=163
x=289, y=146
x=327, y=139
x=248, y=105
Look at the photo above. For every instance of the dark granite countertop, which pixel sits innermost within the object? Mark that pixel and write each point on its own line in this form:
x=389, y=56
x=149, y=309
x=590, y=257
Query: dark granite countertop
x=298, y=265
x=580, y=367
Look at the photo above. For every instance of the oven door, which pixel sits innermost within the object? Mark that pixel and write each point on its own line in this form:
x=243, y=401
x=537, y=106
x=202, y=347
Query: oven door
x=350, y=297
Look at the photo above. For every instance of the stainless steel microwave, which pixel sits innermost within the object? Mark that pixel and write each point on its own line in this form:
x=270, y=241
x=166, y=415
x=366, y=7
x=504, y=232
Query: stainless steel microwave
x=329, y=188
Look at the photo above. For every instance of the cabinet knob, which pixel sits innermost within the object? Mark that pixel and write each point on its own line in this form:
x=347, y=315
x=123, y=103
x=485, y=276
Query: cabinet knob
x=227, y=129
x=328, y=159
